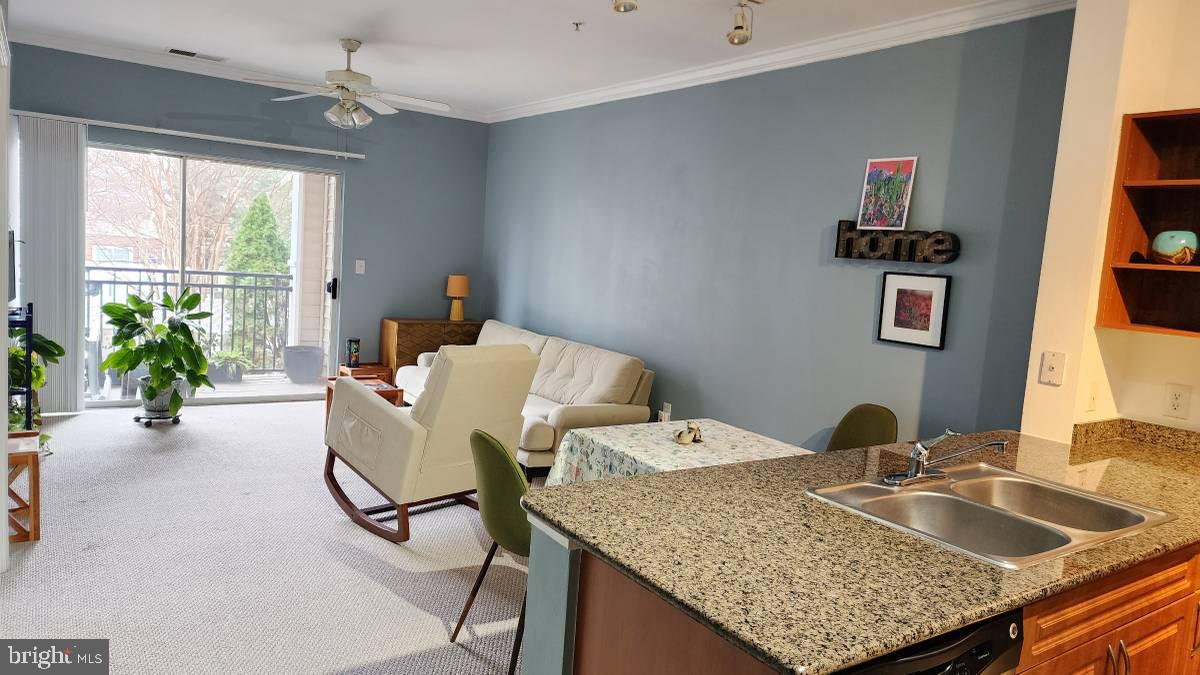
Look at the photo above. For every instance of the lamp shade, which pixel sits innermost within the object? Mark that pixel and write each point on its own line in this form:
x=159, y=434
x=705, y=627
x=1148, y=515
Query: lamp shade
x=457, y=286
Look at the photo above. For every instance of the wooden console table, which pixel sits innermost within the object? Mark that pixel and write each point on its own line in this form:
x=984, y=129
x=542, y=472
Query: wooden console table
x=24, y=518
x=401, y=340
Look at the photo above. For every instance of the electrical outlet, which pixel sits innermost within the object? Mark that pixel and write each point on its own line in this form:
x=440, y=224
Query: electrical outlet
x=664, y=415
x=360, y=266
x=1179, y=401
x=1053, y=366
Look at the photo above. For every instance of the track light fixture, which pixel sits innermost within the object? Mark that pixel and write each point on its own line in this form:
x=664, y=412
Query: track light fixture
x=743, y=18
x=743, y=24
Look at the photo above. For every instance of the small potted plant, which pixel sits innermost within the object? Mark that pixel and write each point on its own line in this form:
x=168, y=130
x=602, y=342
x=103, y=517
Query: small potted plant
x=45, y=351
x=228, y=366
x=168, y=350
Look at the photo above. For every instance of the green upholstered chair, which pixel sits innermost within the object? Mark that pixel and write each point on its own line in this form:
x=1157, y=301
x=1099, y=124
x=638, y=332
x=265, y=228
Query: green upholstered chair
x=501, y=484
x=865, y=424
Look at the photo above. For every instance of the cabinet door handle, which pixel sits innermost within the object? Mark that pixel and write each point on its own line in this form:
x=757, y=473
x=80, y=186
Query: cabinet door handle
x=1196, y=630
x=1112, y=660
x=1125, y=656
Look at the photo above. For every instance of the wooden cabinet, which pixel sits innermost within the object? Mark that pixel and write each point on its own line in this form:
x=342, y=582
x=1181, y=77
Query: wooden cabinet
x=1147, y=613
x=1157, y=644
x=401, y=340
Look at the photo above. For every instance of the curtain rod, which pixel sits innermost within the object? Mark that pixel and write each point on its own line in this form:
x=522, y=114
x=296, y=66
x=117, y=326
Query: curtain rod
x=191, y=134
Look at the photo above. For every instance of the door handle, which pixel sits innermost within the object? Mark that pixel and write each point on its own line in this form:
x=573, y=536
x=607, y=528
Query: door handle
x=1125, y=655
x=1112, y=660
x=331, y=287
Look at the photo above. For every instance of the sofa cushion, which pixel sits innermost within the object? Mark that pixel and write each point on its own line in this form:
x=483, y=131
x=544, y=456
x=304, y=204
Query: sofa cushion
x=496, y=333
x=571, y=372
x=412, y=380
x=536, y=406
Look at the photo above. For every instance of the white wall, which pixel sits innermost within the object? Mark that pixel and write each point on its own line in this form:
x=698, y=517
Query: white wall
x=1127, y=56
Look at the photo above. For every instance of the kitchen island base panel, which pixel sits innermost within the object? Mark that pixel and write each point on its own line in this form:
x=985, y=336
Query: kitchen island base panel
x=623, y=627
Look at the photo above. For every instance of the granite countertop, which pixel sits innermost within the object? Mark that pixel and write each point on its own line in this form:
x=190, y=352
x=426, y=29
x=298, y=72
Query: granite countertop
x=810, y=588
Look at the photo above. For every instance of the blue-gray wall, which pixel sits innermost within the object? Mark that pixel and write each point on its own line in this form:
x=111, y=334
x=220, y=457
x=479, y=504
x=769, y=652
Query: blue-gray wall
x=695, y=229
x=413, y=209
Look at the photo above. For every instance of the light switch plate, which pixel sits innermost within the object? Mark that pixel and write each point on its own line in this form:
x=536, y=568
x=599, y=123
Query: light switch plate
x=360, y=266
x=1053, y=366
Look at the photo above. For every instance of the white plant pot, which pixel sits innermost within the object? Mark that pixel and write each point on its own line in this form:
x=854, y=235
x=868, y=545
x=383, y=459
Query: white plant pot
x=161, y=404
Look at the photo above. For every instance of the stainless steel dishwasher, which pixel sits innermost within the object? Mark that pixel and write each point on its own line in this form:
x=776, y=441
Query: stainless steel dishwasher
x=990, y=647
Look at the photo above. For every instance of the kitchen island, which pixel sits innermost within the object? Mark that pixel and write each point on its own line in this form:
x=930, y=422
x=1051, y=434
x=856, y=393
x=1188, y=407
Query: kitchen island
x=802, y=586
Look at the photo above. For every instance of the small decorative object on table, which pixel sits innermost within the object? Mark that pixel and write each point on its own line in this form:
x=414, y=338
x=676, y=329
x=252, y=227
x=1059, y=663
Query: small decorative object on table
x=913, y=309
x=689, y=435
x=1174, y=247
x=457, y=288
x=353, y=346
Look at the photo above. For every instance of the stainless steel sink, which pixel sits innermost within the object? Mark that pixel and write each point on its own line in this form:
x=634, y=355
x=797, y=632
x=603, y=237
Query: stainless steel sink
x=1002, y=517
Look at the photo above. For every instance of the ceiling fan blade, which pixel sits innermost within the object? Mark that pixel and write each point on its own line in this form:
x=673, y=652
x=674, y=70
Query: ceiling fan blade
x=408, y=101
x=297, y=97
x=377, y=105
x=310, y=87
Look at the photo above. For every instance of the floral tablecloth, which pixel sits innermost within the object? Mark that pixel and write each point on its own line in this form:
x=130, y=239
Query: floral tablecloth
x=630, y=449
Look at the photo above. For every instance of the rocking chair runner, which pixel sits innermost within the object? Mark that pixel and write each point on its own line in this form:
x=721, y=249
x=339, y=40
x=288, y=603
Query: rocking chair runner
x=422, y=454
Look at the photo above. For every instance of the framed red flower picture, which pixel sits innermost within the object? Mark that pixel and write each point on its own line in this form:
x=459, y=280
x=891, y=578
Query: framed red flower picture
x=912, y=309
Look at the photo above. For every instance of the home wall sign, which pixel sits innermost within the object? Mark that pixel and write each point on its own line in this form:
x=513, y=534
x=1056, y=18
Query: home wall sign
x=897, y=246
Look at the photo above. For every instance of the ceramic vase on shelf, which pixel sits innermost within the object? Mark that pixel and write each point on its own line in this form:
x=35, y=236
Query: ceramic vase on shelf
x=1174, y=247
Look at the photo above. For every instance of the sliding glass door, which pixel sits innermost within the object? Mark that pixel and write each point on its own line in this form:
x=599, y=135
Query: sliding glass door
x=257, y=243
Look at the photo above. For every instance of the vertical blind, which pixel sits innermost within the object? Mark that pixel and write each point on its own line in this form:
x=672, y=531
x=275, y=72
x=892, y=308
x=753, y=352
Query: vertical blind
x=53, y=169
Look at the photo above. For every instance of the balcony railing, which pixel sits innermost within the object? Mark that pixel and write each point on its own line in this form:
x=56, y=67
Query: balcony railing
x=249, y=309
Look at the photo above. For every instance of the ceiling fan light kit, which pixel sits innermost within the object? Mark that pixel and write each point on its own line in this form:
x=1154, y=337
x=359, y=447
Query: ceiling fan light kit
x=353, y=90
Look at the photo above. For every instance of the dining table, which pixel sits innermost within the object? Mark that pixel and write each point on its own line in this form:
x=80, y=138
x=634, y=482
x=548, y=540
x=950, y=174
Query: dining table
x=632, y=449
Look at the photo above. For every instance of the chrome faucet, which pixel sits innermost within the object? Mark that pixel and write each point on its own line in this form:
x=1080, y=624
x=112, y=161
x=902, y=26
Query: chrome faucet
x=918, y=460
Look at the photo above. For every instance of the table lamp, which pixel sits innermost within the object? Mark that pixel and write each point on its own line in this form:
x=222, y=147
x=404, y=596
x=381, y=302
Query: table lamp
x=457, y=288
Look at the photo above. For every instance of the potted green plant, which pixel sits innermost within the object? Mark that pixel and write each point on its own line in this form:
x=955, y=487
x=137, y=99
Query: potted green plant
x=228, y=366
x=45, y=351
x=168, y=349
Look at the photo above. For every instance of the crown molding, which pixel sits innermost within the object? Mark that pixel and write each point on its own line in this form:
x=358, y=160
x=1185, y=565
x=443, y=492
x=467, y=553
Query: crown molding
x=938, y=24
x=929, y=26
x=183, y=63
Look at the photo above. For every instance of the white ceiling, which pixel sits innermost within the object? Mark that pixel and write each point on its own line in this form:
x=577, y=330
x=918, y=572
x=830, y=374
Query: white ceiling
x=491, y=59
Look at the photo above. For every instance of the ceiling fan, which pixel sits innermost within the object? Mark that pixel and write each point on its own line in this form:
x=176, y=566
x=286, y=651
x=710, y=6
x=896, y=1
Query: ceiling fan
x=353, y=90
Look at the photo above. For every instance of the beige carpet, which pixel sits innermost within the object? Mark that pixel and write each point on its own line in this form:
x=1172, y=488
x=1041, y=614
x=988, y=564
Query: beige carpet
x=214, y=547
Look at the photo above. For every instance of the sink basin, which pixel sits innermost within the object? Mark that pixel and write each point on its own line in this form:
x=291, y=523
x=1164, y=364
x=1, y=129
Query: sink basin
x=1002, y=517
x=1049, y=504
x=966, y=525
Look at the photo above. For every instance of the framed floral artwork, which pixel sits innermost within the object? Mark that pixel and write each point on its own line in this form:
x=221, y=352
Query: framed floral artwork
x=912, y=310
x=887, y=189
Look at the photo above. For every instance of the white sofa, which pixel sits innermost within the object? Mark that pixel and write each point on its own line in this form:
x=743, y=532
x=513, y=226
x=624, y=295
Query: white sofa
x=576, y=385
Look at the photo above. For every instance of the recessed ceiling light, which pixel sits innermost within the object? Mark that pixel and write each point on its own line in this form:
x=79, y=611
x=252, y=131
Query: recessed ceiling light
x=625, y=6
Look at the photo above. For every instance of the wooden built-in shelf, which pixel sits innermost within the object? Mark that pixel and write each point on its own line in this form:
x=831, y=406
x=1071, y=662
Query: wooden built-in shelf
x=1166, y=184
x=1157, y=188
x=1146, y=328
x=1154, y=267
